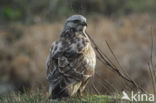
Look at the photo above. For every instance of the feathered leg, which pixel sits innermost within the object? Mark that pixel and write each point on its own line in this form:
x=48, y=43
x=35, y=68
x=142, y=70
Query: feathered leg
x=81, y=89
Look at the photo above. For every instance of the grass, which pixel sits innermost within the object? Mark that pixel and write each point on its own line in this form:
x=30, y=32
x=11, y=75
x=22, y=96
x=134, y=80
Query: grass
x=38, y=97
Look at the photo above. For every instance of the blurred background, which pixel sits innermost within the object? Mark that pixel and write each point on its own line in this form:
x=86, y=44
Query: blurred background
x=28, y=27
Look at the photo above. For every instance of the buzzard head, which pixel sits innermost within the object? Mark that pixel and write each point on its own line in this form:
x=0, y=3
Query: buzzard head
x=76, y=22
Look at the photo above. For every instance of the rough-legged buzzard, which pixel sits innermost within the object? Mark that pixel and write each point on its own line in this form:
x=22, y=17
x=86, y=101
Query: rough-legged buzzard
x=71, y=62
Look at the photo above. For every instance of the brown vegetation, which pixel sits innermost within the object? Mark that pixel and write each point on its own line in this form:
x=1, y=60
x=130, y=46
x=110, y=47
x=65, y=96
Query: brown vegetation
x=24, y=49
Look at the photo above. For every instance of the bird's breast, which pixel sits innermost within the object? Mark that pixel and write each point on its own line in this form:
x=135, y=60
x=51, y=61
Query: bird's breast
x=90, y=57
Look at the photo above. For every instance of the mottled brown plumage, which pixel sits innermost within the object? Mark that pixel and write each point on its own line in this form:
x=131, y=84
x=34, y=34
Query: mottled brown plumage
x=71, y=61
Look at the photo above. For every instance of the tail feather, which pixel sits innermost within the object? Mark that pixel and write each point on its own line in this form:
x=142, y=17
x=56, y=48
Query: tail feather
x=59, y=92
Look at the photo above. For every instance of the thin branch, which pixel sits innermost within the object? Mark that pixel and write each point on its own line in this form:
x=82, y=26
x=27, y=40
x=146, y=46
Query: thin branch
x=126, y=74
x=151, y=74
x=109, y=85
x=96, y=90
x=116, y=59
x=111, y=65
x=152, y=71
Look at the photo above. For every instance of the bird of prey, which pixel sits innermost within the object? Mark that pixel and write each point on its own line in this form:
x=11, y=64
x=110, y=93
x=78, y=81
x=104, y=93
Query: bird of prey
x=71, y=62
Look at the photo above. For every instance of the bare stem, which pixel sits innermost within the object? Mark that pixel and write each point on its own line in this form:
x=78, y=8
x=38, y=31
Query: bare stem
x=105, y=60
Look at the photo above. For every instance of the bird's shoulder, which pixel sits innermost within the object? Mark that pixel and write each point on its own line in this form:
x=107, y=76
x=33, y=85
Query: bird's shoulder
x=76, y=45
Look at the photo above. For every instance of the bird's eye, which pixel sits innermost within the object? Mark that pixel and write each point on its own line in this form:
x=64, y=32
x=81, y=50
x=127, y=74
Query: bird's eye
x=76, y=21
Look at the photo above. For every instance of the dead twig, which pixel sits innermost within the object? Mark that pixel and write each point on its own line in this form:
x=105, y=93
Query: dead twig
x=108, y=85
x=150, y=65
x=105, y=60
x=151, y=74
x=116, y=59
x=93, y=85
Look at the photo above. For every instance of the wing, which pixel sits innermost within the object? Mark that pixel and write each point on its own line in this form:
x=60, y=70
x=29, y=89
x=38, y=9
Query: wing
x=64, y=56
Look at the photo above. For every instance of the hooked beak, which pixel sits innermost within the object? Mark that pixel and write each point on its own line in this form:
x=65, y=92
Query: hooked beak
x=84, y=24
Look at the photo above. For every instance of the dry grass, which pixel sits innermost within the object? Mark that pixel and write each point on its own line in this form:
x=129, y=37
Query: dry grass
x=24, y=48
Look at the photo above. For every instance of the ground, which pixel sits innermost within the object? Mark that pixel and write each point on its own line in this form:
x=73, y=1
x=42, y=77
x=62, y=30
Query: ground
x=38, y=97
